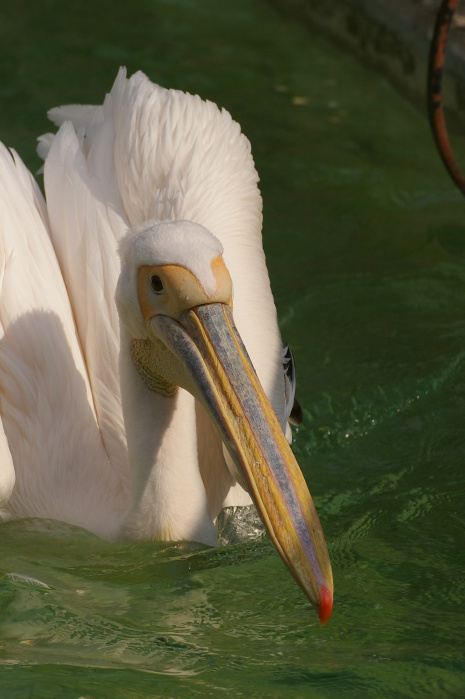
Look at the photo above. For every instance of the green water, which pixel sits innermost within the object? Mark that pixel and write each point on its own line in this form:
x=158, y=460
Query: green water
x=365, y=239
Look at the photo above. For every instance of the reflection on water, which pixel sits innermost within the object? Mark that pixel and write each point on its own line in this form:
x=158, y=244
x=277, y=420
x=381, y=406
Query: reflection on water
x=364, y=237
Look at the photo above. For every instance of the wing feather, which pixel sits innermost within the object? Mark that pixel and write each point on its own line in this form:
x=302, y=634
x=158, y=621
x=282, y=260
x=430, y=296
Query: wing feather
x=45, y=398
x=82, y=204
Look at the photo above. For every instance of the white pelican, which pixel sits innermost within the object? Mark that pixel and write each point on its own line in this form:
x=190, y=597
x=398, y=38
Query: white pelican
x=119, y=425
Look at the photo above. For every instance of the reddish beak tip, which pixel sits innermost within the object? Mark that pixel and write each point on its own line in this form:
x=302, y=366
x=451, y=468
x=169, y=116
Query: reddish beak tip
x=326, y=605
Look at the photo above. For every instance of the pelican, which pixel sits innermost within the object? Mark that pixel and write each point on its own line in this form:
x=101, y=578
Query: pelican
x=141, y=366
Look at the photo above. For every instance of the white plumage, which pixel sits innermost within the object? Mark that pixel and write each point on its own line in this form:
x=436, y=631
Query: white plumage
x=85, y=439
x=147, y=153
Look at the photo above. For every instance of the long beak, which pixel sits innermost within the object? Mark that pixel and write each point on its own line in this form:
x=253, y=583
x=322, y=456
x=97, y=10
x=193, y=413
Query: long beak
x=207, y=343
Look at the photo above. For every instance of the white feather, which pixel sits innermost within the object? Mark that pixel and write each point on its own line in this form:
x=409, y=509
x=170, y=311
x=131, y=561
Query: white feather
x=45, y=400
x=146, y=154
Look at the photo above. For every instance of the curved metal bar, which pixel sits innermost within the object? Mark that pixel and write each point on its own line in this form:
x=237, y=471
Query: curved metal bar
x=435, y=107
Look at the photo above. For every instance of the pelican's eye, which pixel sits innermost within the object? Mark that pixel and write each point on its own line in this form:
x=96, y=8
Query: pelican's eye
x=156, y=283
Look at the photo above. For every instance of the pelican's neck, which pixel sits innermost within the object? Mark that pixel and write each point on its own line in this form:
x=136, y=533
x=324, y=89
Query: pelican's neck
x=168, y=497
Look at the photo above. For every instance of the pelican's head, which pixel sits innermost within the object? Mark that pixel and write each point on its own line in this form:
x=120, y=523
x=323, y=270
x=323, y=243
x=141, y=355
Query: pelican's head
x=175, y=294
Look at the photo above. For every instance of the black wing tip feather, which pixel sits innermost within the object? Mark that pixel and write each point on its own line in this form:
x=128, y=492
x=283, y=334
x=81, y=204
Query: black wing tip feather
x=296, y=414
